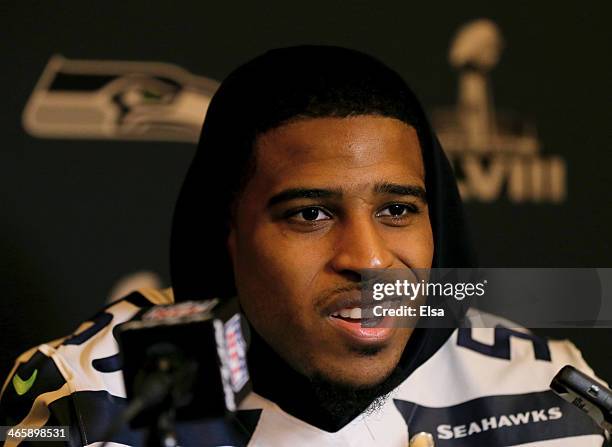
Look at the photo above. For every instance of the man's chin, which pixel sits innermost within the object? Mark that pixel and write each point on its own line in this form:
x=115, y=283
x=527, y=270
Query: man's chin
x=349, y=396
x=358, y=378
x=365, y=367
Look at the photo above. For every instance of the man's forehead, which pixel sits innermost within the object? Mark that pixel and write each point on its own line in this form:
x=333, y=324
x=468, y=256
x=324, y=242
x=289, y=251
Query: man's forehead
x=341, y=148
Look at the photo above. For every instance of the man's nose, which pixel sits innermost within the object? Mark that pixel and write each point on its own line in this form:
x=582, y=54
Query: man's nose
x=359, y=246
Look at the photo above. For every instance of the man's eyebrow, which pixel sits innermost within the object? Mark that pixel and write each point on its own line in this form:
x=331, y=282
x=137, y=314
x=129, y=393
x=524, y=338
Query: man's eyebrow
x=303, y=193
x=401, y=190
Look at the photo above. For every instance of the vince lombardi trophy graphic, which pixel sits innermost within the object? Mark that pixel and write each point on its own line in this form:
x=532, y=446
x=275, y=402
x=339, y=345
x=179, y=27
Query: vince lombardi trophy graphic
x=474, y=52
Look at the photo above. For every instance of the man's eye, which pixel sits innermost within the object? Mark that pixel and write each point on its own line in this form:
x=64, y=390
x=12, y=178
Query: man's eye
x=310, y=214
x=398, y=210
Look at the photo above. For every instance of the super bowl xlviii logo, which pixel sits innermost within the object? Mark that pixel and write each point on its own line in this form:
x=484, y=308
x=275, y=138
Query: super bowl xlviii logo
x=121, y=100
x=494, y=152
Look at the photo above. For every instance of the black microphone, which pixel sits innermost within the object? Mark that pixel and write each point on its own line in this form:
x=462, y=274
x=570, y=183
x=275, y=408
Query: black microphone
x=586, y=394
x=187, y=358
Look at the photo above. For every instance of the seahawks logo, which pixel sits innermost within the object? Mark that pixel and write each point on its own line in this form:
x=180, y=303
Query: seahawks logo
x=120, y=100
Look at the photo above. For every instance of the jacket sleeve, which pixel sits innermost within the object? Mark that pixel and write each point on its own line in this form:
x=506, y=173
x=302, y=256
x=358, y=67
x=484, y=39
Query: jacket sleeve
x=36, y=394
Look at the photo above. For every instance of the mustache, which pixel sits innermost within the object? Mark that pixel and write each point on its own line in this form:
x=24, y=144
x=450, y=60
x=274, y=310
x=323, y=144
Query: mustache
x=342, y=296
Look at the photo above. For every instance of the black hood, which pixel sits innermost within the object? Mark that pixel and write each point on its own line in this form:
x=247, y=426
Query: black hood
x=261, y=95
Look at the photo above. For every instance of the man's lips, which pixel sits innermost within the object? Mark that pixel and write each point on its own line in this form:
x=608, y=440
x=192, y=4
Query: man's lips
x=344, y=313
x=355, y=331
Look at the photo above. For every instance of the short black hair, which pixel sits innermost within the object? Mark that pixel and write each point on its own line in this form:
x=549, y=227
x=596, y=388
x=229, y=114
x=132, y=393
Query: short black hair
x=315, y=81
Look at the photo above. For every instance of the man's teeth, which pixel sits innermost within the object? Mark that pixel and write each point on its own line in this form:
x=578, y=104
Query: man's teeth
x=354, y=313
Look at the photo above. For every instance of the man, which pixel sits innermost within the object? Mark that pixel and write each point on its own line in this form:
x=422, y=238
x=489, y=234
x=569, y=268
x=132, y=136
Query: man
x=314, y=164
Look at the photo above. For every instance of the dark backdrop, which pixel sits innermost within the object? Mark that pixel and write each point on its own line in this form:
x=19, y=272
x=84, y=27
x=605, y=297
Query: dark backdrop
x=77, y=215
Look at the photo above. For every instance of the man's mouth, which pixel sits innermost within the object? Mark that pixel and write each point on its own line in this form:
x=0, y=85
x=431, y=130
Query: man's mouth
x=352, y=316
x=351, y=323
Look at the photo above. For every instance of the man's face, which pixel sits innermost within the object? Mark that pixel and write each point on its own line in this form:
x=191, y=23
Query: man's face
x=328, y=198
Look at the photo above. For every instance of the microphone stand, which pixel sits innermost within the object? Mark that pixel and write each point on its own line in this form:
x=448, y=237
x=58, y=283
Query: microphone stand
x=176, y=375
x=159, y=389
x=163, y=433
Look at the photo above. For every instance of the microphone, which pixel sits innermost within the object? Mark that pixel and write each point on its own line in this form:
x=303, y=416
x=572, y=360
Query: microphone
x=587, y=394
x=187, y=360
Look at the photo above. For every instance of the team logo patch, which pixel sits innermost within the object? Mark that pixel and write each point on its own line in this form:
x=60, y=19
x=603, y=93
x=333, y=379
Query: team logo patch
x=23, y=386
